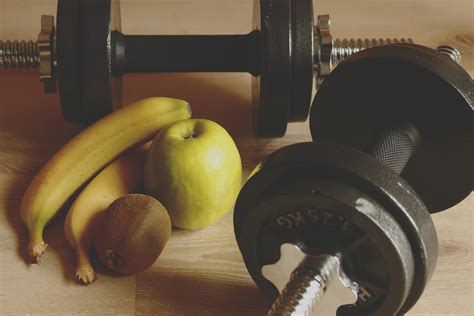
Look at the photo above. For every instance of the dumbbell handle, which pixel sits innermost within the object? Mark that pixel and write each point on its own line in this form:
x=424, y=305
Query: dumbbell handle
x=185, y=53
x=394, y=146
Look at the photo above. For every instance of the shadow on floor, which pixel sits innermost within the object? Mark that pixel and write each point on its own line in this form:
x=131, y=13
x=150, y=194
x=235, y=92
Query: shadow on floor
x=171, y=292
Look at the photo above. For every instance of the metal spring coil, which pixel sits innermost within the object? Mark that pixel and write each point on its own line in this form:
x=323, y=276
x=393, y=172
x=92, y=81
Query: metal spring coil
x=21, y=55
x=344, y=48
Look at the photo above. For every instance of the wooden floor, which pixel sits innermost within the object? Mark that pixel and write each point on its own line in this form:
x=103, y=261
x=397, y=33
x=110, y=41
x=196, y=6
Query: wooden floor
x=199, y=272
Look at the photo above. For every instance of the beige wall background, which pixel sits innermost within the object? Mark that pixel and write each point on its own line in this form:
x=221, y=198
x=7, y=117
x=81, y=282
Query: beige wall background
x=430, y=20
x=225, y=97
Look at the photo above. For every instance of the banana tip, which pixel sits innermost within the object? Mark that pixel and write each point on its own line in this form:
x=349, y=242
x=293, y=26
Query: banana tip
x=86, y=274
x=35, y=250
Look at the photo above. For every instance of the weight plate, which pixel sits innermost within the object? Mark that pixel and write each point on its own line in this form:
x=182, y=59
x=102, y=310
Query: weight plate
x=344, y=165
x=100, y=91
x=384, y=86
x=68, y=67
x=271, y=92
x=303, y=59
x=373, y=247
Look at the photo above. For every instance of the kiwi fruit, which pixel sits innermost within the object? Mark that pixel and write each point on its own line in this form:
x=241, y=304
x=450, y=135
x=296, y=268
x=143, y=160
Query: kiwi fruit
x=133, y=233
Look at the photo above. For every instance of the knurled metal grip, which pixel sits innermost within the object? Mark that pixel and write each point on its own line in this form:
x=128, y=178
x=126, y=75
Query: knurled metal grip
x=426, y=88
x=395, y=145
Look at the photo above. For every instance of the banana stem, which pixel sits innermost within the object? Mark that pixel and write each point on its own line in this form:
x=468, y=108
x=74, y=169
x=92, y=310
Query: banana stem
x=35, y=249
x=36, y=246
x=84, y=270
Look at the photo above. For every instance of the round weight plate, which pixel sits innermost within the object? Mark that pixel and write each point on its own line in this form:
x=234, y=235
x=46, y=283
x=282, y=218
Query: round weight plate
x=303, y=59
x=67, y=52
x=288, y=172
x=272, y=90
x=385, y=86
x=374, y=249
x=100, y=91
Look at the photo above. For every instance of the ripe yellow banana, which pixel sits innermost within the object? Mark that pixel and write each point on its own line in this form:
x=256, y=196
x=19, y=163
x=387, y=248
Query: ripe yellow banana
x=86, y=154
x=121, y=177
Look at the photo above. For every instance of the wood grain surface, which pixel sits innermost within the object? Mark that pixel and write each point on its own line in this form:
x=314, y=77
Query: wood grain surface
x=200, y=272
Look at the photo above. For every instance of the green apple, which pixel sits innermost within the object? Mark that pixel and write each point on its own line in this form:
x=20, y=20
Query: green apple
x=194, y=169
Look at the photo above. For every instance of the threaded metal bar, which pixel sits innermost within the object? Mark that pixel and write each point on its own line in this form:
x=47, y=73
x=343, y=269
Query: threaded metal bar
x=23, y=54
x=19, y=55
x=450, y=52
x=307, y=285
x=343, y=48
x=300, y=295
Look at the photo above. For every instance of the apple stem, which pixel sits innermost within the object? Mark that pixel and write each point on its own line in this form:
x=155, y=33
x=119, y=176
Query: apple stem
x=191, y=135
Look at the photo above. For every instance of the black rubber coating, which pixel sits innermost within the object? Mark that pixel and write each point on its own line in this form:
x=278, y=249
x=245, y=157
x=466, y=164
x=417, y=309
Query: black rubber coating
x=383, y=86
x=186, y=53
x=87, y=89
x=373, y=247
x=349, y=167
x=100, y=91
x=272, y=90
x=93, y=55
x=68, y=67
x=303, y=59
x=394, y=146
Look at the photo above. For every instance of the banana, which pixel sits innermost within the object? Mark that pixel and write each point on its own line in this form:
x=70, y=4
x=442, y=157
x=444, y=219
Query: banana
x=86, y=154
x=123, y=176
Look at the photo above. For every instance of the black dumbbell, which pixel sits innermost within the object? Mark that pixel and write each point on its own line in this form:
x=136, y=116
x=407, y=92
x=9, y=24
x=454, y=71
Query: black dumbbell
x=88, y=55
x=406, y=83
x=393, y=131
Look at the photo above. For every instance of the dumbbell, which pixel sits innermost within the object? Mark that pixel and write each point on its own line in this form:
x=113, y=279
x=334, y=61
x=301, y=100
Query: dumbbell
x=342, y=225
x=88, y=55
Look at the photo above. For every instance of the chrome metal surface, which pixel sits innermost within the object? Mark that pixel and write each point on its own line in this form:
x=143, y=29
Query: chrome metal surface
x=323, y=42
x=343, y=48
x=46, y=50
x=19, y=55
x=34, y=55
x=329, y=53
x=309, y=285
x=450, y=51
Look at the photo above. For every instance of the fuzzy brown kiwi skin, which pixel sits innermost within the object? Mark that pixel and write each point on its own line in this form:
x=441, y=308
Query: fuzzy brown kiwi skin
x=133, y=234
